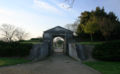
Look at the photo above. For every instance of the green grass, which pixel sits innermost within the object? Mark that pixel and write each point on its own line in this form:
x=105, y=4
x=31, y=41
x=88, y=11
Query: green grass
x=91, y=43
x=105, y=67
x=12, y=61
x=31, y=42
x=96, y=42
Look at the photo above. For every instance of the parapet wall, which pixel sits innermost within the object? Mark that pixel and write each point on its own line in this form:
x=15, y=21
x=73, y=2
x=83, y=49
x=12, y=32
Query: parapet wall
x=39, y=51
x=88, y=52
x=81, y=52
x=72, y=51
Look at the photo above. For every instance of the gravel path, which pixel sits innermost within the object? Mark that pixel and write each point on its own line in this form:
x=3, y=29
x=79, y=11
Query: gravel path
x=56, y=64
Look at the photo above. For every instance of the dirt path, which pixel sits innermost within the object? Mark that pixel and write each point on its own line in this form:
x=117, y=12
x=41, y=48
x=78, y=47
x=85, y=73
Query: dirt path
x=57, y=64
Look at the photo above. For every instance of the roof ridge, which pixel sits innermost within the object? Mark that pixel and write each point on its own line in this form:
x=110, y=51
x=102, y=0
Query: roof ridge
x=57, y=27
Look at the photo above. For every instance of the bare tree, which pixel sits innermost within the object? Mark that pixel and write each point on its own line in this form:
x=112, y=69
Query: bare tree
x=21, y=34
x=68, y=26
x=72, y=27
x=8, y=32
x=12, y=33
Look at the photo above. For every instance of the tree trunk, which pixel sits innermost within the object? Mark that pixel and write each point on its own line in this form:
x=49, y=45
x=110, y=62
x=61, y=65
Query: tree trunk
x=91, y=36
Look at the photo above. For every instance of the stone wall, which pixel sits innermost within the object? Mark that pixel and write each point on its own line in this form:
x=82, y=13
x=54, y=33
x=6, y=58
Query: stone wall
x=88, y=52
x=44, y=51
x=81, y=51
x=39, y=51
x=85, y=52
x=72, y=51
x=34, y=51
x=76, y=51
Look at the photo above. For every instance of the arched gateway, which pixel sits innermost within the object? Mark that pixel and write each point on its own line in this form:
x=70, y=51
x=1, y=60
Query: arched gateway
x=40, y=51
x=58, y=31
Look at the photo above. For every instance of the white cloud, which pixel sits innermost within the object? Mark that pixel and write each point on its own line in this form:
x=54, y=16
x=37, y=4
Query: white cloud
x=45, y=6
x=64, y=6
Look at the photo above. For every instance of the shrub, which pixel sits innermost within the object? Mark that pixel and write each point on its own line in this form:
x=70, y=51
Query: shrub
x=109, y=51
x=11, y=49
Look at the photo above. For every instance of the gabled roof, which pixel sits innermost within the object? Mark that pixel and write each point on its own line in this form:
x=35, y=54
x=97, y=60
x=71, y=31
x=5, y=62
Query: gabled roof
x=58, y=29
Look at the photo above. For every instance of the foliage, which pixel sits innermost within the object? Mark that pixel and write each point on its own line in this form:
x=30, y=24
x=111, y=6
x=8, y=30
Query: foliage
x=14, y=49
x=91, y=27
x=105, y=67
x=32, y=41
x=91, y=43
x=109, y=51
x=99, y=24
x=12, y=61
x=37, y=39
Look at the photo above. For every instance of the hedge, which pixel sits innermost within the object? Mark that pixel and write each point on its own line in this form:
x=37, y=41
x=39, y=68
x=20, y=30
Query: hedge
x=14, y=49
x=109, y=51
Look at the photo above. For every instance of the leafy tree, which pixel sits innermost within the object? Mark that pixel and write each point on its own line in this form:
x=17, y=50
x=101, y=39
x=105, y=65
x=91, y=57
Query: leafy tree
x=98, y=22
x=106, y=27
x=85, y=16
x=91, y=27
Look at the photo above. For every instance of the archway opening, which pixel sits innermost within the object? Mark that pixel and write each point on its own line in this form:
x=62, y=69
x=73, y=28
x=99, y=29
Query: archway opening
x=58, y=45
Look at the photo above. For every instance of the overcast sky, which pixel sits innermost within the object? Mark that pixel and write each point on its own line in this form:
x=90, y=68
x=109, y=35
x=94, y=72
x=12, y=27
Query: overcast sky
x=36, y=16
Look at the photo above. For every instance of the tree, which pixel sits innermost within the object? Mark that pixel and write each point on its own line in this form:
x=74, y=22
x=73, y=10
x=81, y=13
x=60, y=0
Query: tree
x=91, y=27
x=107, y=26
x=72, y=27
x=21, y=34
x=11, y=33
x=98, y=22
x=8, y=32
x=68, y=26
x=85, y=16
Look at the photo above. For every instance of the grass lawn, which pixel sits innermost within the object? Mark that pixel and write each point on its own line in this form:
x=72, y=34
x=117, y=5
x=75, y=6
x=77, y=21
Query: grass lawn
x=12, y=61
x=105, y=67
x=91, y=43
x=31, y=42
x=96, y=42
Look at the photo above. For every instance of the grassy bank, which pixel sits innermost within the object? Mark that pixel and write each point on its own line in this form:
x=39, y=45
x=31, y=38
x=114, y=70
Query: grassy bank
x=91, y=43
x=12, y=61
x=31, y=42
x=96, y=42
x=105, y=67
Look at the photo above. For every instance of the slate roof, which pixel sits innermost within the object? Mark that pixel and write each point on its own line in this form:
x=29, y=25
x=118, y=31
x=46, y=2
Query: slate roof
x=58, y=29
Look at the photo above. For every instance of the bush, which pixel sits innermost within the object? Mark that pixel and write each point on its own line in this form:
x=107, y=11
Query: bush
x=14, y=49
x=109, y=51
x=37, y=39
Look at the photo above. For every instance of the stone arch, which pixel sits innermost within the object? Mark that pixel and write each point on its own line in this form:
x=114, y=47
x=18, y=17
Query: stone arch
x=58, y=31
x=40, y=51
